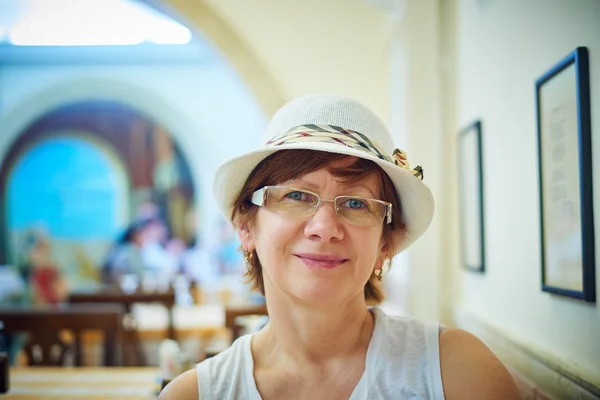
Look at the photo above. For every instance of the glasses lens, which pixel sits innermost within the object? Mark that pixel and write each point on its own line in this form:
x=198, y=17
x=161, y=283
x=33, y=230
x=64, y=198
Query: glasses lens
x=289, y=201
x=360, y=211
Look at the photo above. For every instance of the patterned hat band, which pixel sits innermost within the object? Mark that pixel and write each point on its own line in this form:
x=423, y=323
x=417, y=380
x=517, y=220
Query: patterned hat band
x=346, y=137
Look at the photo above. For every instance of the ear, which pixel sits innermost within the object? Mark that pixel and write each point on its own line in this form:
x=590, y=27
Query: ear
x=246, y=238
x=379, y=262
x=383, y=255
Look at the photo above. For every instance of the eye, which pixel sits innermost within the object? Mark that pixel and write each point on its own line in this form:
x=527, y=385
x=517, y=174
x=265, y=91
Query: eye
x=297, y=196
x=355, y=204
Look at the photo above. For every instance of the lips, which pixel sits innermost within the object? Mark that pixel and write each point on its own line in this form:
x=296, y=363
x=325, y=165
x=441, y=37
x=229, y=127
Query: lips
x=317, y=260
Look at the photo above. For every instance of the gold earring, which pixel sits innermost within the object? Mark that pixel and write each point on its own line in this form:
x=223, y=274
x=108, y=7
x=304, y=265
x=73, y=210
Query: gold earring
x=378, y=275
x=248, y=257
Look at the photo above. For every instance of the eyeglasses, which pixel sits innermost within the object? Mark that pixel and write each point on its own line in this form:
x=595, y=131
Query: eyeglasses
x=357, y=210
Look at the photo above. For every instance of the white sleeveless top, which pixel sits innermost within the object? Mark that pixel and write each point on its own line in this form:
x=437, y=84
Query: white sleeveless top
x=403, y=362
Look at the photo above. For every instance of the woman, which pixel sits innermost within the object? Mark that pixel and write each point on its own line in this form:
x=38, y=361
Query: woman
x=48, y=285
x=320, y=209
x=124, y=257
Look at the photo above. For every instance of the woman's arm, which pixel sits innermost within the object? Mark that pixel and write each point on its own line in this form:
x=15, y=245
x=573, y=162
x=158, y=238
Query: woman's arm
x=471, y=371
x=184, y=387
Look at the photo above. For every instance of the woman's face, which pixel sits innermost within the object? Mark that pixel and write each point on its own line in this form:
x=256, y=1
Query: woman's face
x=320, y=257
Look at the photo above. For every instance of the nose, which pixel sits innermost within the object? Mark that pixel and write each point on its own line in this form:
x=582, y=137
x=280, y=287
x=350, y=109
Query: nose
x=324, y=224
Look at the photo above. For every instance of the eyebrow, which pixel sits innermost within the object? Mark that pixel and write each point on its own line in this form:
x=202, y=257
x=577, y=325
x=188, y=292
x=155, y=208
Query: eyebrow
x=314, y=187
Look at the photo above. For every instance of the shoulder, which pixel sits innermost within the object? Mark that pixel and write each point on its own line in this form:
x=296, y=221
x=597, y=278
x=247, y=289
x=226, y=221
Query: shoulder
x=184, y=387
x=470, y=369
x=403, y=330
x=217, y=374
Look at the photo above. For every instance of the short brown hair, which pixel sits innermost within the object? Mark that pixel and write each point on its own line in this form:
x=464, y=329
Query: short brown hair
x=285, y=165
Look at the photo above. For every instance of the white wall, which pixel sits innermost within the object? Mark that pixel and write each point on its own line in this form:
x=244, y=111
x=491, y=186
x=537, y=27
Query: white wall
x=503, y=47
x=207, y=109
x=418, y=124
x=307, y=46
x=459, y=60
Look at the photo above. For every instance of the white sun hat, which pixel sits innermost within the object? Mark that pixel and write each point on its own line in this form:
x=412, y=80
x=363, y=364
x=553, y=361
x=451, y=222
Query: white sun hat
x=338, y=125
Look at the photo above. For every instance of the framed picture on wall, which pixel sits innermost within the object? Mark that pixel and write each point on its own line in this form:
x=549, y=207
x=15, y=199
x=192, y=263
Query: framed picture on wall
x=470, y=185
x=565, y=178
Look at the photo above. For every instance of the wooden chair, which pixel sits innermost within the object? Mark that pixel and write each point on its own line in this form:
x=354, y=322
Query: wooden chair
x=46, y=347
x=132, y=347
x=232, y=313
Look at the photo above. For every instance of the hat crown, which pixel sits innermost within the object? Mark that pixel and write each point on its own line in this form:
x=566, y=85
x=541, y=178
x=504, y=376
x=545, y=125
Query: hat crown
x=332, y=110
x=338, y=125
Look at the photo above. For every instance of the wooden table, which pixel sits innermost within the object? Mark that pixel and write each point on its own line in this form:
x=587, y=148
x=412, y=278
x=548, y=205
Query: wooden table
x=44, y=323
x=128, y=300
x=200, y=321
x=199, y=325
x=133, y=354
x=83, y=383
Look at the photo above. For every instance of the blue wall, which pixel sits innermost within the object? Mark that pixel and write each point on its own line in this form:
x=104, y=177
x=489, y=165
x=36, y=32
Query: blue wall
x=70, y=185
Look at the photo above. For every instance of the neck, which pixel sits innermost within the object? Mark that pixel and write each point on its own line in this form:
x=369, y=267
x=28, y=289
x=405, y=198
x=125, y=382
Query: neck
x=305, y=334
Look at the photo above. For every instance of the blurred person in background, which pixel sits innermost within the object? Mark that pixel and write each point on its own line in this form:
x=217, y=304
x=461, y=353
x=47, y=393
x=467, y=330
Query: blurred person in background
x=144, y=249
x=227, y=250
x=125, y=256
x=13, y=292
x=48, y=284
x=155, y=255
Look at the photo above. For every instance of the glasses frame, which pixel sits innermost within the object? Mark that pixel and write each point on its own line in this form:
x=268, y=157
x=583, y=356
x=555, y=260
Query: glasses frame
x=259, y=197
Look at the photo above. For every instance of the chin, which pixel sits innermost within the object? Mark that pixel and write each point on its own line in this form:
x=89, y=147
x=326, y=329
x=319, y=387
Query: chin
x=318, y=291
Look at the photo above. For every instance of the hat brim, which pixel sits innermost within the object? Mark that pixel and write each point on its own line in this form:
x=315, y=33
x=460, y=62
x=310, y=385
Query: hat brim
x=415, y=197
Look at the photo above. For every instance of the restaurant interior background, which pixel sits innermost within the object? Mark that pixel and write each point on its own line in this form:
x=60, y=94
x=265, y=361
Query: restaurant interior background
x=115, y=114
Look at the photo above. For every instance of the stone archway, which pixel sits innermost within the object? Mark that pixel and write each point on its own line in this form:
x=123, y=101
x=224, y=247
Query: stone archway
x=236, y=51
x=16, y=122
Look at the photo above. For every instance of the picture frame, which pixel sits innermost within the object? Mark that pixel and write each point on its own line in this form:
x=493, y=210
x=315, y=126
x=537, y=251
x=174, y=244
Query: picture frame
x=470, y=185
x=565, y=178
